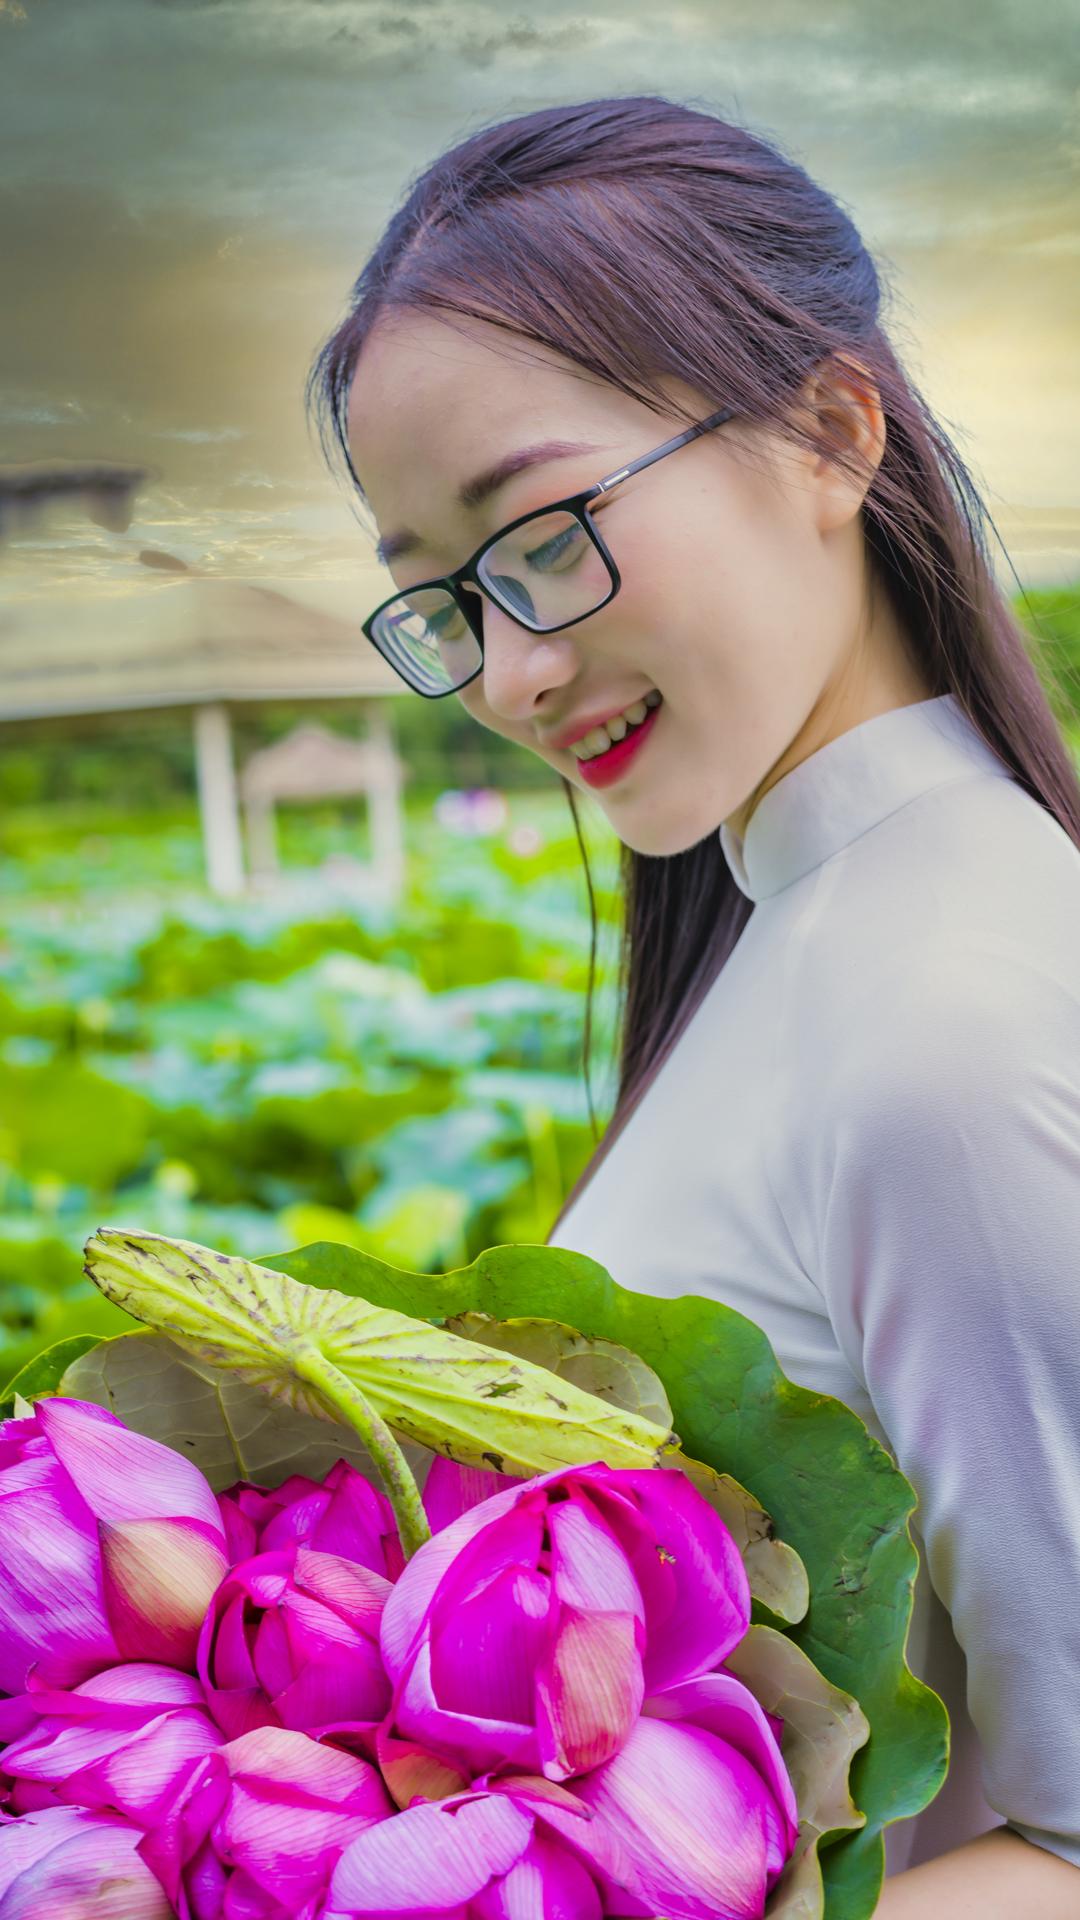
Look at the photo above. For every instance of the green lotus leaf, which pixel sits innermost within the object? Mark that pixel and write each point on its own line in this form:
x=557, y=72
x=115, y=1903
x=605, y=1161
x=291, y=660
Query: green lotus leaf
x=799, y=1894
x=602, y=1367
x=477, y=1404
x=42, y=1374
x=228, y=1428
x=823, y=1728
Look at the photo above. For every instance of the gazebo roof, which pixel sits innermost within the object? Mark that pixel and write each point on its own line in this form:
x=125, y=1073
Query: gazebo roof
x=179, y=642
x=312, y=762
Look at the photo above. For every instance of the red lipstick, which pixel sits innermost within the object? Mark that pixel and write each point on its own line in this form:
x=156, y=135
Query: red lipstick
x=603, y=768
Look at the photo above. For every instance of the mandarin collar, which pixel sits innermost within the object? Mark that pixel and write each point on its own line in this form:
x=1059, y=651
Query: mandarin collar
x=849, y=785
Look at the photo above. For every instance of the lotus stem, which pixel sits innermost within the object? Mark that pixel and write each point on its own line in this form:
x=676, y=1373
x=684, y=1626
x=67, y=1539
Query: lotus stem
x=343, y=1399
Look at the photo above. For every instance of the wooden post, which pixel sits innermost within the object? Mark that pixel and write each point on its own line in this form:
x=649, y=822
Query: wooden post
x=262, y=850
x=218, y=808
x=385, y=804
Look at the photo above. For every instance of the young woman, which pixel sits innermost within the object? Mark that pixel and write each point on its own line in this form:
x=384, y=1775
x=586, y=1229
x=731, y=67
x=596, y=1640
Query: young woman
x=660, y=504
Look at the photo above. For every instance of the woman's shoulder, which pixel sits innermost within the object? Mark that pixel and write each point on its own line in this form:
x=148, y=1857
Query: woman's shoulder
x=956, y=937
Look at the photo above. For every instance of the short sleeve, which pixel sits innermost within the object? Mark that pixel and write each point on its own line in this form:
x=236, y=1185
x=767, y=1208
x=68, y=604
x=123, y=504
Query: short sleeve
x=949, y=1247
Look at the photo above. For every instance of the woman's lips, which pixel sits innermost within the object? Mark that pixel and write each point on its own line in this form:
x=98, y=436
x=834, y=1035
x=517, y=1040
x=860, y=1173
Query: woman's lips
x=604, y=768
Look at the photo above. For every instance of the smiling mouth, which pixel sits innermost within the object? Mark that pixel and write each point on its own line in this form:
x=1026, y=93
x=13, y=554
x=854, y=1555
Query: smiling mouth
x=594, y=744
x=606, y=768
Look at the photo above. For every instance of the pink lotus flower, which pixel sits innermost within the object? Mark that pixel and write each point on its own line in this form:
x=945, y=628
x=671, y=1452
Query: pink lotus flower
x=112, y=1547
x=516, y=1845
x=700, y=1798
x=292, y=1639
x=342, y=1513
x=121, y=1741
x=529, y=1630
x=506, y=1849
x=629, y=1840
x=258, y=1826
x=573, y=1626
x=64, y=1864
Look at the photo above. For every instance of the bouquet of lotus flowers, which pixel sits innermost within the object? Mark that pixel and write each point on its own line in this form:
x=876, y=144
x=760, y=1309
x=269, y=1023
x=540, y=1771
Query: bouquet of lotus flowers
x=337, y=1591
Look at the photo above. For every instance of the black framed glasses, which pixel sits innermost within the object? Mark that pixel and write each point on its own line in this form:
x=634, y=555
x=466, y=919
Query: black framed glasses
x=547, y=569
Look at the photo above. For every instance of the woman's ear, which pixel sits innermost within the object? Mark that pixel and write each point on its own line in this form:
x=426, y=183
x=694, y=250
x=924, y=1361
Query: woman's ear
x=843, y=400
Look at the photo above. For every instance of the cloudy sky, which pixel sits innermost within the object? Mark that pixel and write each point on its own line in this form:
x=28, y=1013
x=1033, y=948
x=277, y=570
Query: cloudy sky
x=188, y=188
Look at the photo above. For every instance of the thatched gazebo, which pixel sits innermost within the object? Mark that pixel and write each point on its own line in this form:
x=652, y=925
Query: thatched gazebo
x=312, y=763
x=207, y=645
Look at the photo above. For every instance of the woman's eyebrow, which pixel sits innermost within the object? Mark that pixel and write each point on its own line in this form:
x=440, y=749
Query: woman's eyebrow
x=476, y=491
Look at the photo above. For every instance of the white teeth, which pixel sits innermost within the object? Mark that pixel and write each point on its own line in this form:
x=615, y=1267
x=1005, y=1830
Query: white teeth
x=596, y=741
x=600, y=738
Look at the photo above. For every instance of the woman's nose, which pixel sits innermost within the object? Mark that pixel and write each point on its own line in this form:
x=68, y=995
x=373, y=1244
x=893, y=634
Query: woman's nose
x=519, y=664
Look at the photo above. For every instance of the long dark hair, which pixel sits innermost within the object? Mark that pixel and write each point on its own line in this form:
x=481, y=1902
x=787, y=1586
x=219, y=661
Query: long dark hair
x=640, y=237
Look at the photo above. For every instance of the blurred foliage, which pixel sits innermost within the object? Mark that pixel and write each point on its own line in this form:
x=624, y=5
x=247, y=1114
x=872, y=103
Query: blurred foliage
x=264, y=1072
x=1051, y=616
x=147, y=760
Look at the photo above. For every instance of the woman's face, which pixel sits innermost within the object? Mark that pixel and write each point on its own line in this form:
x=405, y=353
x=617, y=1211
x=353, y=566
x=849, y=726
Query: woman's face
x=741, y=559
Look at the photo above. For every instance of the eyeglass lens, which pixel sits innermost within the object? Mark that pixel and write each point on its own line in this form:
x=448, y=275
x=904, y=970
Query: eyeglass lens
x=545, y=572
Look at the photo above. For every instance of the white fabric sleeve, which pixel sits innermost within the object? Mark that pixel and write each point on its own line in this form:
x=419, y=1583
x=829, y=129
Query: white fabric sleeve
x=948, y=1217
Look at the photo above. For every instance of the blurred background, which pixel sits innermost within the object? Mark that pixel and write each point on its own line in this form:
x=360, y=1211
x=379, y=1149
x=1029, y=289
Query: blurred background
x=286, y=952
